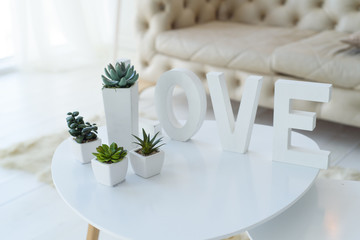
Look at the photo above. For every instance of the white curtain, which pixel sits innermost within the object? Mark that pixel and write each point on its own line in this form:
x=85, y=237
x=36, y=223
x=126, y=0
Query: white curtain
x=53, y=35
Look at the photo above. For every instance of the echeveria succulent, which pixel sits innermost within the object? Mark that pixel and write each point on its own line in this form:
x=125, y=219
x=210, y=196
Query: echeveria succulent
x=120, y=76
x=110, y=154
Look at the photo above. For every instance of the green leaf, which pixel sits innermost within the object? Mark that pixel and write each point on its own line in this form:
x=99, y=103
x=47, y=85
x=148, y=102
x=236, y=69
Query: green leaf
x=122, y=82
x=74, y=132
x=144, y=135
x=113, y=75
x=79, y=139
x=123, y=68
x=152, y=140
x=132, y=80
x=119, y=71
x=108, y=82
x=86, y=130
x=113, y=147
x=90, y=136
x=129, y=72
x=137, y=143
x=111, y=67
x=107, y=73
x=156, y=142
x=100, y=149
x=106, y=149
x=157, y=148
x=70, y=118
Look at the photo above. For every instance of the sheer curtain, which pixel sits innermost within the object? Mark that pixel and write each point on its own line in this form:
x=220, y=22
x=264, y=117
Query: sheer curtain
x=53, y=35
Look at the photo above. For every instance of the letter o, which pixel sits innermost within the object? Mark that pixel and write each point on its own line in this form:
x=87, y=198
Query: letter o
x=196, y=98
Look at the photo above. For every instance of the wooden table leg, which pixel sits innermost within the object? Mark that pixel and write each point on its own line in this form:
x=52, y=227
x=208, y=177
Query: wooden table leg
x=92, y=233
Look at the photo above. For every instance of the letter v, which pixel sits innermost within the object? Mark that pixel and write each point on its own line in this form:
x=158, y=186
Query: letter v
x=234, y=136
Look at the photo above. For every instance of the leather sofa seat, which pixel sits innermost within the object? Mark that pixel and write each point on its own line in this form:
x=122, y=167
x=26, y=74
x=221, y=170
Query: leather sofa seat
x=230, y=45
x=320, y=58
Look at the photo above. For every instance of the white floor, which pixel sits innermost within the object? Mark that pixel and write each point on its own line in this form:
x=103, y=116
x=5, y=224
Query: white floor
x=32, y=105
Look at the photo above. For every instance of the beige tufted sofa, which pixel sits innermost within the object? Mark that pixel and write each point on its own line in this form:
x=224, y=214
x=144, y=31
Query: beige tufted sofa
x=292, y=39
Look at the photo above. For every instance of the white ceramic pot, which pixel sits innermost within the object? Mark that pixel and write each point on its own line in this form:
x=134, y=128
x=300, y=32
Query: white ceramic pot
x=110, y=174
x=122, y=114
x=147, y=166
x=83, y=151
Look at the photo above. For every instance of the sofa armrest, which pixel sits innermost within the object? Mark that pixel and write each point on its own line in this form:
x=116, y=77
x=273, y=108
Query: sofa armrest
x=156, y=16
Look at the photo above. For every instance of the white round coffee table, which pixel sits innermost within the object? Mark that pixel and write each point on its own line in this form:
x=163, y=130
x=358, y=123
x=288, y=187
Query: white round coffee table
x=201, y=193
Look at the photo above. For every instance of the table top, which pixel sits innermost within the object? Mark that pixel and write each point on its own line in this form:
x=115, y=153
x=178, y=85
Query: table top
x=202, y=192
x=328, y=211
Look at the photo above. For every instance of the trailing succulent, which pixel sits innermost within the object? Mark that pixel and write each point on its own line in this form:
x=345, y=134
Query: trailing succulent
x=148, y=145
x=120, y=76
x=110, y=154
x=80, y=130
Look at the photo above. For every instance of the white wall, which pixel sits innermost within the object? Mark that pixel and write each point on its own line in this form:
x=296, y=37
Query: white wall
x=127, y=38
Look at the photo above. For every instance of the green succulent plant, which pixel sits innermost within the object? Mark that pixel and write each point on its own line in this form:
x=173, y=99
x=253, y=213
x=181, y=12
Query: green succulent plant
x=110, y=154
x=80, y=130
x=120, y=76
x=148, y=145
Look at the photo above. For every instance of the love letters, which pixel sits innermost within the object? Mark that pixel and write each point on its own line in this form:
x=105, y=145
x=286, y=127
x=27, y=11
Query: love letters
x=235, y=136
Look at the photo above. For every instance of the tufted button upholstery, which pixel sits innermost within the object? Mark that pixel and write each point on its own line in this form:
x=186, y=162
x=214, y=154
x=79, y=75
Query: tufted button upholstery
x=155, y=16
x=229, y=45
x=310, y=14
x=159, y=49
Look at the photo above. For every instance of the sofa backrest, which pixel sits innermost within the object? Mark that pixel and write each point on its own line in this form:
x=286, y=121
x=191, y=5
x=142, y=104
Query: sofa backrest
x=340, y=15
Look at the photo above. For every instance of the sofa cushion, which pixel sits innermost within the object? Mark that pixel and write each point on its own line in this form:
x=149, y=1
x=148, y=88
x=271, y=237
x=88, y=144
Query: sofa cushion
x=226, y=44
x=353, y=40
x=321, y=58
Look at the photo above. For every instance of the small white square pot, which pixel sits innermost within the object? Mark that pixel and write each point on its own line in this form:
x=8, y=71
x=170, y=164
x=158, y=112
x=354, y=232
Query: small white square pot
x=147, y=166
x=110, y=174
x=83, y=151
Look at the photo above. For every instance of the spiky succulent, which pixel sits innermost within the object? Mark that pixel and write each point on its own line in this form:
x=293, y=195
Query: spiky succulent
x=80, y=130
x=110, y=154
x=148, y=145
x=120, y=76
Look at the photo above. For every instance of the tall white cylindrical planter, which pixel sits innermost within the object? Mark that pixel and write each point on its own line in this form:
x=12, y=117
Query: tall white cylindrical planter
x=122, y=114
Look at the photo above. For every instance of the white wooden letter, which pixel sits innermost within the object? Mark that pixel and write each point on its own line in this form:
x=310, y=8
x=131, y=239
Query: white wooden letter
x=234, y=136
x=285, y=118
x=196, y=98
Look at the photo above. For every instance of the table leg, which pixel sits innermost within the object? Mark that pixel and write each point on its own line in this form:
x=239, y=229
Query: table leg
x=92, y=233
